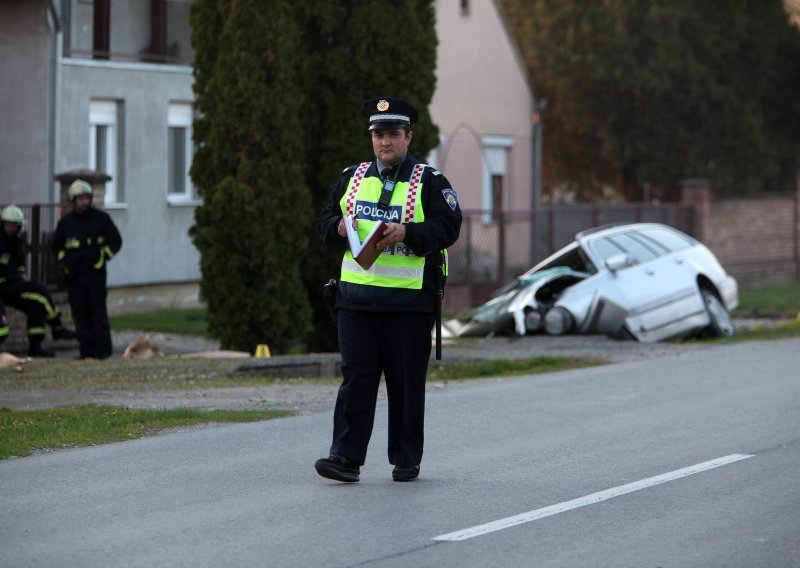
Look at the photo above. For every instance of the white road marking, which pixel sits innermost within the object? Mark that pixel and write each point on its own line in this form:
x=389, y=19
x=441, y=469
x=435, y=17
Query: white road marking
x=588, y=499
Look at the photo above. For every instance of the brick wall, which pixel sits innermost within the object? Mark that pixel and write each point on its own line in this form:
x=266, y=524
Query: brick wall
x=757, y=240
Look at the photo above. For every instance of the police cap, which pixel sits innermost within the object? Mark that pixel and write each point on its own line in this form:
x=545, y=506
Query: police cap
x=389, y=113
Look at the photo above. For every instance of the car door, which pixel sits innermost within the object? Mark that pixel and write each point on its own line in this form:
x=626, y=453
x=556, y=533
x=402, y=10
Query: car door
x=657, y=289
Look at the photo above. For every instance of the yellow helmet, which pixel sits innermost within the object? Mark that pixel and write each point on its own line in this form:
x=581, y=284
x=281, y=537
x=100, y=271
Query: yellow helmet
x=78, y=187
x=12, y=214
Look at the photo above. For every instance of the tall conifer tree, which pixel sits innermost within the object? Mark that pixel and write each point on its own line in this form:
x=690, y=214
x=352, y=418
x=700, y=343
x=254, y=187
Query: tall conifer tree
x=357, y=50
x=253, y=226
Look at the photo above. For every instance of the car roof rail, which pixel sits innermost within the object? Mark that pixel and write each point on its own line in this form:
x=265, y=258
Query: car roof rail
x=601, y=228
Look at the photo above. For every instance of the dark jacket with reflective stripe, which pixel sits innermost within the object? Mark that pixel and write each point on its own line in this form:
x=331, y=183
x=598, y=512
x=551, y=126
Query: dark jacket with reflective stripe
x=12, y=257
x=85, y=242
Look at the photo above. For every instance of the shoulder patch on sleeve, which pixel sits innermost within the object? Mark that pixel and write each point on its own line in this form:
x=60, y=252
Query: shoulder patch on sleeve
x=436, y=172
x=450, y=197
x=348, y=168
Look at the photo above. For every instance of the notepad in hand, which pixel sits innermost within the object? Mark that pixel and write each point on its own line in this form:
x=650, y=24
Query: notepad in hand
x=364, y=253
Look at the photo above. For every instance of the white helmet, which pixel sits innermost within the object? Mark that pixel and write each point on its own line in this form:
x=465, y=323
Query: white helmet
x=78, y=187
x=12, y=214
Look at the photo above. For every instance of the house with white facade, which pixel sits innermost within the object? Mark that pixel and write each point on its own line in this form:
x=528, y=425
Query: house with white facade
x=106, y=85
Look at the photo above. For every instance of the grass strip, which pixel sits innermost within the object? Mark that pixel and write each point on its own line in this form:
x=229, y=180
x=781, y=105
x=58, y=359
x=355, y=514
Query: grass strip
x=788, y=329
x=508, y=367
x=189, y=321
x=163, y=373
x=25, y=432
x=777, y=300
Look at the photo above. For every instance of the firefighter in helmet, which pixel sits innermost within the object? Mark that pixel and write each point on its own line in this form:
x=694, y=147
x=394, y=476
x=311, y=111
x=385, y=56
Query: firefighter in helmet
x=19, y=292
x=85, y=240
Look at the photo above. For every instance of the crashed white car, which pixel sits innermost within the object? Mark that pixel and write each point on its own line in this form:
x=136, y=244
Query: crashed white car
x=647, y=281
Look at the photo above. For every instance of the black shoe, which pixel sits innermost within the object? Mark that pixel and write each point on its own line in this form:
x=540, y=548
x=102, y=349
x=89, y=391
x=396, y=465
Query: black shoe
x=62, y=332
x=338, y=468
x=39, y=351
x=409, y=473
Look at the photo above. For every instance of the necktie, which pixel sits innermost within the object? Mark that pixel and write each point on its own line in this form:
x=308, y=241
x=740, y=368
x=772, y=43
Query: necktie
x=385, y=173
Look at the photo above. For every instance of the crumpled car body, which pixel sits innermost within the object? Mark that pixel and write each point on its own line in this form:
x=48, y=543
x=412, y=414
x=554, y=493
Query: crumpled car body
x=645, y=281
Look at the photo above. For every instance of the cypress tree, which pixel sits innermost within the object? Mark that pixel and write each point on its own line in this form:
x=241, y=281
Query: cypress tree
x=252, y=229
x=357, y=50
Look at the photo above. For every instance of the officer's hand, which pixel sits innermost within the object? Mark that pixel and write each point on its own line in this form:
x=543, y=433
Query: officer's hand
x=341, y=228
x=393, y=234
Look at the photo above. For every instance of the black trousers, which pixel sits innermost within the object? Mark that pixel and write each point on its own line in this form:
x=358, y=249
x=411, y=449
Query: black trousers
x=87, y=298
x=33, y=299
x=397, y=345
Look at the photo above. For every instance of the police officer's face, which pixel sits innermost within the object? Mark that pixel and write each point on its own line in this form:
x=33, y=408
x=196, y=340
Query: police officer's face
x=390, y=145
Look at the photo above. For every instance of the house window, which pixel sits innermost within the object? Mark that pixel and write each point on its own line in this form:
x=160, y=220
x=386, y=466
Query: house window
x=104, y=147
x=101, y=37
x=156, y=31
x=495, y=174
x=179, y=153
x=497, y=196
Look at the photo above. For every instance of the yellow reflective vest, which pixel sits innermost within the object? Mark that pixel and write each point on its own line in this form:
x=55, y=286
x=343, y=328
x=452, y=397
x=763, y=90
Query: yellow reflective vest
x=397, y=266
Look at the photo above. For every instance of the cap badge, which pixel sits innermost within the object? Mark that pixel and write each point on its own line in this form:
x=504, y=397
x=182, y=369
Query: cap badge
x=383, y=105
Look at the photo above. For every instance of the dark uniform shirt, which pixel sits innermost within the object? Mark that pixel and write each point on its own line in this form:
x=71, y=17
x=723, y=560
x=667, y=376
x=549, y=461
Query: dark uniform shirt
x=84, y=238
x=12, y=257
x=439, y=231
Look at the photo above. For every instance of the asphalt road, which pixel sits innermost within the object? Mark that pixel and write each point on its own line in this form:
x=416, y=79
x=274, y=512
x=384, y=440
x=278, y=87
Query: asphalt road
x=608, y=466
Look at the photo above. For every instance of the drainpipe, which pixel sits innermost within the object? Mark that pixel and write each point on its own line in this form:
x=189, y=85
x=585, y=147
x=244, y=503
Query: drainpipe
x=55, y=52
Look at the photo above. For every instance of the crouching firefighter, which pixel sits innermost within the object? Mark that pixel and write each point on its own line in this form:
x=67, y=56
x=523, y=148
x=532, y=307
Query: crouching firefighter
x=17, y=291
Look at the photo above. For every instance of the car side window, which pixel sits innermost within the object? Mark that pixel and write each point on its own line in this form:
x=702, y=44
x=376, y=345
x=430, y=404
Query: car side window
x=626, y=244
x=606, y=248
x=633, y=247
x=671, y=240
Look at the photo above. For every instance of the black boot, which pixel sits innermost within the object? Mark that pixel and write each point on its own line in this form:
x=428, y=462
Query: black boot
x=35, y=348
x=60, y=331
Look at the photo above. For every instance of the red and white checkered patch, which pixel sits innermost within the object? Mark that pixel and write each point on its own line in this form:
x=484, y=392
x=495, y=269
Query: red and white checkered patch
x=413, y=187
x=351, y=195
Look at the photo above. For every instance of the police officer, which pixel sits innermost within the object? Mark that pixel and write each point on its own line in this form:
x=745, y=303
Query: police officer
x=18, y=292
x=385, y=314
x=85, y=239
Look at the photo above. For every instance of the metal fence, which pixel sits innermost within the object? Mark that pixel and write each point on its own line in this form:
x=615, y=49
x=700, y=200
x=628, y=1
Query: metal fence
x=492, y=250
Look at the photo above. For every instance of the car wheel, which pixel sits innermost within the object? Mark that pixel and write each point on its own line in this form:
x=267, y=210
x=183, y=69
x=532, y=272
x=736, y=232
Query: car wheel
x=533, y=320
x=721, y=324
x=558, y=321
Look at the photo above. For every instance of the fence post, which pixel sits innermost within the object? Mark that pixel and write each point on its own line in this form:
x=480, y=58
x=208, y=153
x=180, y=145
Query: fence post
x=468, y=263
x=696, y=192
x=36, y=245
x=501, y=267
x=796, y=232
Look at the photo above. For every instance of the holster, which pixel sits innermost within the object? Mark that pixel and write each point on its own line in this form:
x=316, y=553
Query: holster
x=329, y=294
